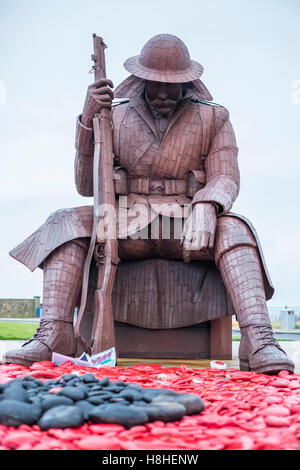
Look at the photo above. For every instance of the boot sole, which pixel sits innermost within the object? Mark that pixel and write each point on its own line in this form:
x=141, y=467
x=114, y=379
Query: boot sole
x=26, y=362
x=21, y=361
x=271, y=369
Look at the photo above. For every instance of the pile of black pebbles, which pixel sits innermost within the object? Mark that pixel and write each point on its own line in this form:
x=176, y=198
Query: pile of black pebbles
x=88, y=399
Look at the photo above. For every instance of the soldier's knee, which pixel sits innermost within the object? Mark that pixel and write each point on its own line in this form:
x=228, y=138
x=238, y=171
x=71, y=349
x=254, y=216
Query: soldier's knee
x=75, y=215
x=58, y=215
x=232, y=232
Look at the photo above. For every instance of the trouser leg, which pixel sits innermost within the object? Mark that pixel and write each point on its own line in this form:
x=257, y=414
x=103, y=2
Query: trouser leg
x=242, y=276
x=259, y=350
x=63, y=271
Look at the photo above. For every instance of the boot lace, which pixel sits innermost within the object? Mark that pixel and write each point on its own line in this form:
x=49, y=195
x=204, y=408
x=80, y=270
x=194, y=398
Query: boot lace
x=266, y=336
x=42, y=332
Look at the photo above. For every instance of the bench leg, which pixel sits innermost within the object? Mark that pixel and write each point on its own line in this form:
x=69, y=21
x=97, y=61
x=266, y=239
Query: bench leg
x=221, y=338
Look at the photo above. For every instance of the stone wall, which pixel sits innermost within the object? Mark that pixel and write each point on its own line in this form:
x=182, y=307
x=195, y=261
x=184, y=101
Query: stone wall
x=19, y=308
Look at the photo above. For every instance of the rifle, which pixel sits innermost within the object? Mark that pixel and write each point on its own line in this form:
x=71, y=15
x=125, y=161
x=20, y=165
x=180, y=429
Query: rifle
x=105, y=250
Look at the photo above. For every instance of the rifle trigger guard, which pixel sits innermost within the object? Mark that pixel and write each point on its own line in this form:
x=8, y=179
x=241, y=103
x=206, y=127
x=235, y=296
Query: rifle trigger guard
x=99, y=253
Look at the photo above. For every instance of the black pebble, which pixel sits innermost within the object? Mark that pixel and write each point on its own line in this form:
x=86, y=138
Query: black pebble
x=192, y=403
x=120, y=401
x=113, y=389
x=48, y=384
x=120, y=383
x=58, y=382
x=102, y=395
x=15, y=391
x=92, y=392
x=150, y=393
x=68, y=377
x=14, y=413
x=131, y=395
x=28, y=385
x=119, y=414
x=104, y=382
x=37, y=399
x=62, y=416
x=85, y=407
x=95, y=389
x=170, y=411
x=74, y=382
x=95, y=400
x=132, y=386
x=163, y=411
x=88, y=378
x=75, y=393
x=154, y=412
x=55, y=400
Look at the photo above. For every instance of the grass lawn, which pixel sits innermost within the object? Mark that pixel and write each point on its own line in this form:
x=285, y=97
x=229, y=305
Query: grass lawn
x=24, y=331
x=17, y=331
x=237, y=338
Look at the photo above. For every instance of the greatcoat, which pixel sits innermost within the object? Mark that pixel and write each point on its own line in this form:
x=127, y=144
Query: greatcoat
x=195, y=160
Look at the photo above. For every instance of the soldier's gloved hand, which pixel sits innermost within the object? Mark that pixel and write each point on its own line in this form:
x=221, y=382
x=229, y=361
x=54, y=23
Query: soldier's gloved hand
x=200, y=228
x=99, y=95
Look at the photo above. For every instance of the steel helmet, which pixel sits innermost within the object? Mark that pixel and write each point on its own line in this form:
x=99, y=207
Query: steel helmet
x=164, y=58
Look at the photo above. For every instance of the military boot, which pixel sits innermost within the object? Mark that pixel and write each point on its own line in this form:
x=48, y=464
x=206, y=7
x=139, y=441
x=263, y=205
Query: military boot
x=259, y=349
x=50, y=336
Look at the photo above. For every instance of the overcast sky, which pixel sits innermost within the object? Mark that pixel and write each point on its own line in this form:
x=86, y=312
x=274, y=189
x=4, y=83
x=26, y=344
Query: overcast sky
x=250, y=51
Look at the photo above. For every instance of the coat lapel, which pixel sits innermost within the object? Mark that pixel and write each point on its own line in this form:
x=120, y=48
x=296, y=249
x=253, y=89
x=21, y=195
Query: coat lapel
x=179, y=110
x=141, y=107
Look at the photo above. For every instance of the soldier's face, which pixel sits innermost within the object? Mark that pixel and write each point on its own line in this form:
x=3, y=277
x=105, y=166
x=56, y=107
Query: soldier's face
x=163, y=96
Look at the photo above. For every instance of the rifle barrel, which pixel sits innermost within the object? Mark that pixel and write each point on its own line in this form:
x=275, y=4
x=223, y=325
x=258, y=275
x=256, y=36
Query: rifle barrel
x=98, y=57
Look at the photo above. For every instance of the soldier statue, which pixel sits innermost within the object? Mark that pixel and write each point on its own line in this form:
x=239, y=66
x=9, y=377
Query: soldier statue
x=175, y=146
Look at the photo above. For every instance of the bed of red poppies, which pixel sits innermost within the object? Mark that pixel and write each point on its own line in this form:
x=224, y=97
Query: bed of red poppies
x=243, y=411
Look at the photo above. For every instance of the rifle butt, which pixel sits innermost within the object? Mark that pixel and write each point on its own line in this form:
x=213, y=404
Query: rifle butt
x=103, y=336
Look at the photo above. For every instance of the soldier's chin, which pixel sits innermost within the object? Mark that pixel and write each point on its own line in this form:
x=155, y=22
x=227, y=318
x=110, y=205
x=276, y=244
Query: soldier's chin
x=163, y=110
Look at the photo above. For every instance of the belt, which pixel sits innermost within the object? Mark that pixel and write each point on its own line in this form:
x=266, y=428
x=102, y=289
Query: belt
x=162, y=186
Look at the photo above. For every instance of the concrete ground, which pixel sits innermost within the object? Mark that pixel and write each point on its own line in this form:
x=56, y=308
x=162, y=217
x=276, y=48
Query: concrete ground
x=279, y=333
x=292, y=348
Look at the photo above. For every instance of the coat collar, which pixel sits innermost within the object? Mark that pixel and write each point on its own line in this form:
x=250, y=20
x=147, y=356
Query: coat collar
x=140, y=105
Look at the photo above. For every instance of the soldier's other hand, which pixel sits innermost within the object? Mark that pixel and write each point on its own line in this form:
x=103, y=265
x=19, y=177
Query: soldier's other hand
x=99, y=95
x=200, y=228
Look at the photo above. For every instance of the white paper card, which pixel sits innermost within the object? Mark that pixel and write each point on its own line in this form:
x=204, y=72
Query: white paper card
x=103, y=359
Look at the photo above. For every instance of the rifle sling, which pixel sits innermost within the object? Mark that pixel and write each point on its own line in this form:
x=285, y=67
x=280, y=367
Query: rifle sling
x=87, y=264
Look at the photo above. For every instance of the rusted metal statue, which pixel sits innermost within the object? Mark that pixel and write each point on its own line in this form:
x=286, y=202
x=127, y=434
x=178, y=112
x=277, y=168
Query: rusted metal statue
x=175, y=159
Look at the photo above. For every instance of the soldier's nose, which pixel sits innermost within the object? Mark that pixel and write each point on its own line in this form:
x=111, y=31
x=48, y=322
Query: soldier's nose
x=162, y=95
x=162, y=92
